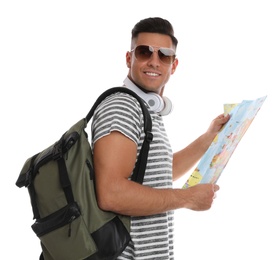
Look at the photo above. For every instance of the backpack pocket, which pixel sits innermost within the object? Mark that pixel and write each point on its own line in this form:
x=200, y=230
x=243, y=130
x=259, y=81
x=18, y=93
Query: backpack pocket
x=63, y=230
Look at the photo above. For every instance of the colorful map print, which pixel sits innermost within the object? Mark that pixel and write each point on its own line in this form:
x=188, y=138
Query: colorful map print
x=221, y=149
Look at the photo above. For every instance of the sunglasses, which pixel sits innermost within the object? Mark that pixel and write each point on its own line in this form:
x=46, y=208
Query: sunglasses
x=144, y=53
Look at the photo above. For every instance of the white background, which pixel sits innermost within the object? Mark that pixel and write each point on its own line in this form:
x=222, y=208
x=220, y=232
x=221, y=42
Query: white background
x=57, y=56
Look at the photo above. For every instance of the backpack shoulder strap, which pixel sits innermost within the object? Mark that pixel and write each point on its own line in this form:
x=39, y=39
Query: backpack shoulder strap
x=139, y=170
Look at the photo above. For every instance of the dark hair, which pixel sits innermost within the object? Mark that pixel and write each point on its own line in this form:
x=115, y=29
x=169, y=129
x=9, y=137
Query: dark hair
x=154, y=25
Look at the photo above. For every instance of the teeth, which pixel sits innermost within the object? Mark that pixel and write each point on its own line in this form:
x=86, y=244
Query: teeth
x=152, y=74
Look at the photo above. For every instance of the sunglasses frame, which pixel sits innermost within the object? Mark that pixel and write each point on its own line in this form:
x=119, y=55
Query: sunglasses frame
x=161, y=51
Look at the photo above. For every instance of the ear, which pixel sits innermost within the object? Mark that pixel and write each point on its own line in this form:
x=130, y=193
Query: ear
x=174, y=65
x=128, y=59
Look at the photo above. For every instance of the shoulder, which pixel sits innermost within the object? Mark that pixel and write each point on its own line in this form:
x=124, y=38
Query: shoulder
x=118, y=112
x=120, y=103
x=123, y=99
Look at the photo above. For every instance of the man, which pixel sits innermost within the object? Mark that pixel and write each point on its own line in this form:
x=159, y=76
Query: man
x=117, y=139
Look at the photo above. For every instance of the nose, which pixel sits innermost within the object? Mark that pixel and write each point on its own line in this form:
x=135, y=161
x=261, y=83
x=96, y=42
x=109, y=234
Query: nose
x=154, y=59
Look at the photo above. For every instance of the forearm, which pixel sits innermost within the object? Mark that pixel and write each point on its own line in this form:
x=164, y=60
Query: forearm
x=133, y=199
x=186, y=158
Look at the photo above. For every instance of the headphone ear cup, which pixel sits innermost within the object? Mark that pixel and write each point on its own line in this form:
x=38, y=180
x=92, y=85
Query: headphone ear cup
x=158, y=104
x=155, y=101
x=167, y=108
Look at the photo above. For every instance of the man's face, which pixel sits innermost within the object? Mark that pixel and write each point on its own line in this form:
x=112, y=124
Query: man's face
x=151, y=74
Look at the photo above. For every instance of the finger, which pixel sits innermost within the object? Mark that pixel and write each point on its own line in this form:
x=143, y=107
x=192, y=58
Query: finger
x=215, y=187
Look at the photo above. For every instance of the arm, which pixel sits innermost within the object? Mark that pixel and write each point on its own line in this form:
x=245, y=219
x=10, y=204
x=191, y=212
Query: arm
x=114, y=159
x=186, y=158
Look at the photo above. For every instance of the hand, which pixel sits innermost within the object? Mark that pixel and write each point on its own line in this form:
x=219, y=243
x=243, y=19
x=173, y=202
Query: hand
x=201, y=196
x=217, y=124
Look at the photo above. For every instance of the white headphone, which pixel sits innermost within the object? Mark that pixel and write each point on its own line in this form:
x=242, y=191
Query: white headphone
x=162, y=106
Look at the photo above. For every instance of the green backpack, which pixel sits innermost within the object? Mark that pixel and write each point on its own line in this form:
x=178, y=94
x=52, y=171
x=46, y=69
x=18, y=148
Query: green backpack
x=60, y=181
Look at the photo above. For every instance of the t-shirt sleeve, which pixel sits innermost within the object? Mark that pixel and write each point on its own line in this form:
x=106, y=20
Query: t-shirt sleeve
x=119, y=112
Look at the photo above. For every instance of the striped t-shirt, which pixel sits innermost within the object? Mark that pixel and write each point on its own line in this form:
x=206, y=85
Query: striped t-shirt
x=152, y=236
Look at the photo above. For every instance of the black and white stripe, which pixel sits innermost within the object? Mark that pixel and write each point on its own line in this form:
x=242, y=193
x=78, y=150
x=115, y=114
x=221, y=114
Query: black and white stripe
x=152, y=236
